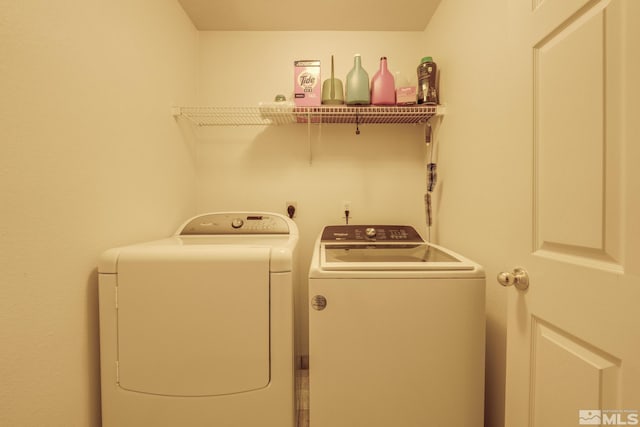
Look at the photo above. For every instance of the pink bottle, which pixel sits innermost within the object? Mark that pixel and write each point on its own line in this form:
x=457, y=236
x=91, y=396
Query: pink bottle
x=383, y=88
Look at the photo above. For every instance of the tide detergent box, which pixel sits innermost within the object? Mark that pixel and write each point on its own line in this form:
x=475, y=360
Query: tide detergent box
x=306, y=86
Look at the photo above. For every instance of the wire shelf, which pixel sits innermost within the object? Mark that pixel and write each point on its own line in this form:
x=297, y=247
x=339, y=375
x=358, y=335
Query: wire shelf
x=287, y=114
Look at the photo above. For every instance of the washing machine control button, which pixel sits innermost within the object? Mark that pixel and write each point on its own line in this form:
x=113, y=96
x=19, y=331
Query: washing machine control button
x=370, y=232
x=237, y=223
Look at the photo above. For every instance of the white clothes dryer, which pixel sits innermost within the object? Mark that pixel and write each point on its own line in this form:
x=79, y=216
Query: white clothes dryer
x=396, y=331
x=197, y=329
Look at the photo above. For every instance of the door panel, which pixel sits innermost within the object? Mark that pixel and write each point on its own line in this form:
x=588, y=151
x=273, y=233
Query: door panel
x=569, y=200
x=569, y=356
x=568, y=367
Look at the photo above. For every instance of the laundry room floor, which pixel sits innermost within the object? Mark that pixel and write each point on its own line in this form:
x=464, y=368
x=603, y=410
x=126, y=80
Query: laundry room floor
x=302, y=397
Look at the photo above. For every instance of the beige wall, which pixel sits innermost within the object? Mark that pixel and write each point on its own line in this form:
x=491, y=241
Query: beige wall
x=468, y=40
x=90, y=158
x=381, y=171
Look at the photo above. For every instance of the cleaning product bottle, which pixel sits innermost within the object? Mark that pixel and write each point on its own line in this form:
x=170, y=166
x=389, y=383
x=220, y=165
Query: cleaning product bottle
x=332, y=92
x=383, y=88
x=427, y=81
x=405, y=91
x=357, y=84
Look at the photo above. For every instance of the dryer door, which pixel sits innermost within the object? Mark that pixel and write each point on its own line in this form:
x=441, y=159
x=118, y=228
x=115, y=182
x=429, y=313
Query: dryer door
x=193, y=321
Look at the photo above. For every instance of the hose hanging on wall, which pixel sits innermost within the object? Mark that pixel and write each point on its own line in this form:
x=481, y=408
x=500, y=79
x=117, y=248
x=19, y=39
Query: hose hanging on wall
x=431, y=171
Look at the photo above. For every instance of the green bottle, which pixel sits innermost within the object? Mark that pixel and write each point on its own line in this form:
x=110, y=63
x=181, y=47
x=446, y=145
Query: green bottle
x=357, y=90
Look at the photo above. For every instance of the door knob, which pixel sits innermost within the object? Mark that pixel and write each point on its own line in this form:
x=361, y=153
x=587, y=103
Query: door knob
x=518, y=278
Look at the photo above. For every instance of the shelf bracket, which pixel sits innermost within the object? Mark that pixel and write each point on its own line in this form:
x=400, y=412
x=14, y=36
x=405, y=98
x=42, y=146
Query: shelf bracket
x=309, y=138
x=428, y=132
x=432, y=124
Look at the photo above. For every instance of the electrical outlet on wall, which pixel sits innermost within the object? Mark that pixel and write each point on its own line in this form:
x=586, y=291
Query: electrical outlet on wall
x=346, y=211
x=291, y=209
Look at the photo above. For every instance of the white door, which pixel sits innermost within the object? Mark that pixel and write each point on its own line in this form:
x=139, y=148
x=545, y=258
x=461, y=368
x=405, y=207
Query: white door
x=573, y=339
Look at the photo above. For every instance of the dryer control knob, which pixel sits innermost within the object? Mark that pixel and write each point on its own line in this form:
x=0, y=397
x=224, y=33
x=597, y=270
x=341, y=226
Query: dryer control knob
x=237, y=223
x=370, y=232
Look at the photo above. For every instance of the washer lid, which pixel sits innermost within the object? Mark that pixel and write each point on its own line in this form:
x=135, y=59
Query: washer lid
x=389, y=256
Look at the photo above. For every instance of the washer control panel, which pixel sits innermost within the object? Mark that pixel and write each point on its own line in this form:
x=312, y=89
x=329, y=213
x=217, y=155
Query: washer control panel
x=370, y=233
x=235, y=223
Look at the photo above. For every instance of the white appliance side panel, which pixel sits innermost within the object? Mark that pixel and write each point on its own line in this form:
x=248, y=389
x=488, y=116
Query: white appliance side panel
x=397, y=352
x=193, y=322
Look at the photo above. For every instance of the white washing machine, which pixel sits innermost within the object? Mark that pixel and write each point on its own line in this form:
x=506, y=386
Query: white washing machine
x=396, y=331
x=197, y=329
